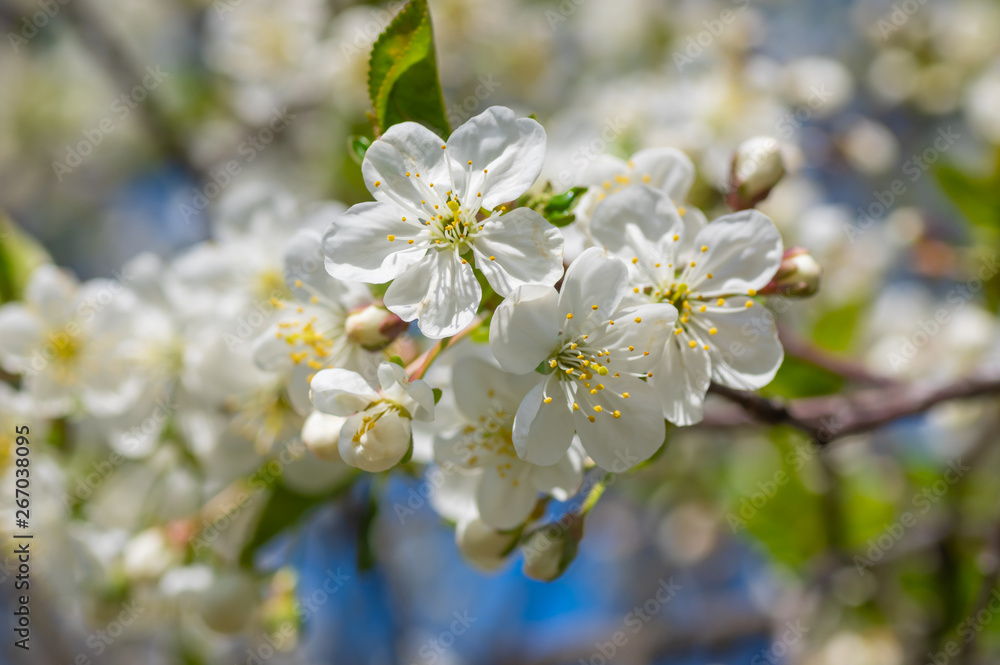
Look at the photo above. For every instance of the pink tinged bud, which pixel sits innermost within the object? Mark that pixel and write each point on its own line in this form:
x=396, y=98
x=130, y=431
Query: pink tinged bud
x=374, y=327
x=756, y=168
x=799, y=275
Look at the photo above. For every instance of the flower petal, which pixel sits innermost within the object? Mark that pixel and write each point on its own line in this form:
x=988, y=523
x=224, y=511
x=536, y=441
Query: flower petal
x=562, y=479
x=649, y=210
x=440, y=292
x=681, y=379
x=419, y=395
x=542, y=432
x=306, y=276
x=378, y=449
x=505, y=497
x=742, y=251
x=638, y=336
x=618, y=444
x=745, y=350
x=406, y=148
x=506, y=152
x=668, y=170
x=525, y=328
x=519, y=248
x=594, y=278
x=19, y=330
x=478, y=385
x=340, y=392
x=53, y=292
x=357, y=245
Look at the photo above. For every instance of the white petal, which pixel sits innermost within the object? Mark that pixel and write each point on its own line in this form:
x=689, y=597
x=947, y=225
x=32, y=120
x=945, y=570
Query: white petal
x=743, y=252
x=378, y=449
x=19, y=331
x=478, y=386
x=455, y=497
x=304, y=263
x=649, y=210
x=340, y=392
x=644, y=328
x=745, y=351
x=525, y=328
x=53, y=292
x=407, y=148
x=543, y=432
x=519, y=248
x=681, y=379
x=357, y=245
x=419, y=396
x=321, y=434
x=439, y=291
x=505, y=501
x=617, y=444
x=562, y=479
x=669, y=170
x=594, y=278
x=510, y=149
x=603, y=171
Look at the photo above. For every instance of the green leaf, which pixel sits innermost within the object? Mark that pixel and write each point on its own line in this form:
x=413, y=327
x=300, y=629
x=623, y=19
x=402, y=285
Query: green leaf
x=437, y=394
x=397, y=360
x=977, y=198
x=20, y=254
x=358, y=146
x=402, y=77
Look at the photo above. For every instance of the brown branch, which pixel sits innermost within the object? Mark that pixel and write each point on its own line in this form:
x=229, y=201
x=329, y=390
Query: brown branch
x=832, y=417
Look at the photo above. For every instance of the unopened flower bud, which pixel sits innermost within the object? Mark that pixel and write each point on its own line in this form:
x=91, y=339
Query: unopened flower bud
x=321, y=434
x=798, y=276
x=483, y=546
x=756, y=168
x=374, y=327
x=548, y=551
x=149, y=554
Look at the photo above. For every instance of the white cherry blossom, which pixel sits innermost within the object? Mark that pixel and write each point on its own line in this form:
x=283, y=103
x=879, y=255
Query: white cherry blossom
x=505, y=488
x=595, y=351
x=711, y=275
x=376, y=435
x=437, y=210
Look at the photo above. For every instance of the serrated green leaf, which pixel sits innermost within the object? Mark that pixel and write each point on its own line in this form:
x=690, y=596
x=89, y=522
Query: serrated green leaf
x=402, y=78
x=358, y=146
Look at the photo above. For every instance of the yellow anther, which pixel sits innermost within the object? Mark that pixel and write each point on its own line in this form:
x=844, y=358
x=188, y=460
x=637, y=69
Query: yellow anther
x=493, y=258
x=709, y=275
x=576, y=407
x=704, y=248
x=390, y=237
x=606, y=184
x=598, y=408
x=378, y=182
x=600, y=386
x=702, y=308
x=646, y=178
x=635, y=289
x=569, y=316
x=443, y=146
x=712, y=331
x=631, y=348
x=678, y=331
x=593, y=391
x=573, y=346
x=752, y=292
x=645, y=353
x=298, y=283
x=591, y=418
x=681, y=210
x=638, y=319
x=622, y=179
x=464, y=262
x=611, y=323
x=470, y=162
x=486, y=170
x=749, y=303
x=569, y=370
x=547, y=400
x=676, y=237
x=720, y=302
x=692, y=264
x=692, y=343
x=635, y=259
x=410, y=241
x=602, y=370
x=617, y=413
x=626, y=395
x=593, y=307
